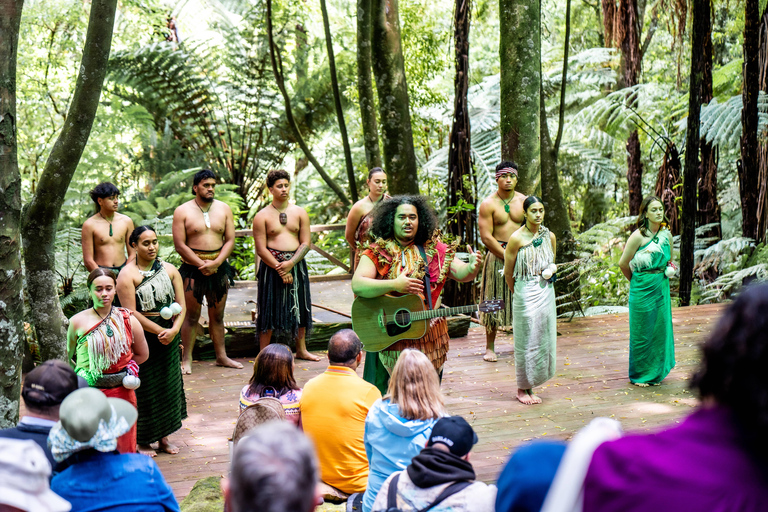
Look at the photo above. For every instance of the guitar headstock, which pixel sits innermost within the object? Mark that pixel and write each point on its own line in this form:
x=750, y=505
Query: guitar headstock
x=491, y=306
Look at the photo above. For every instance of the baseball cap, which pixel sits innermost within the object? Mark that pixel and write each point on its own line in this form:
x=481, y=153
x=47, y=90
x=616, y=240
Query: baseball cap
x=49, y=384
x=455, y=433
x=24, y=475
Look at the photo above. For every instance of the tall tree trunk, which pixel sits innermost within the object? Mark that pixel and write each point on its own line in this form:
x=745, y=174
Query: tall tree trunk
x=337, y=103
x=41, y=214
x=748, y=166
x=394, y=106
x=520, y=58
x=709, y=208
x=461, y=223
x=762, y=152
x=699, y=29
x=277, y=70
x=11, y=284
x=365, y=84
x=627, y=35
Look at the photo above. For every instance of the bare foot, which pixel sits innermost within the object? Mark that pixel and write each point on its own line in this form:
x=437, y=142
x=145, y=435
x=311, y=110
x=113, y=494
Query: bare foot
x=489, y=356
x=306, y=355
x=167, y=447
x=536, y=399
x=186, y=367
x=147, y=450
x=524, y=398
x=641, y=384
x=228, y=363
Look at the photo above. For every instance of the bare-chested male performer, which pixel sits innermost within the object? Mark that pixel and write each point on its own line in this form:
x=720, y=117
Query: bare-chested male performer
x=501, y=214
x=105, y=234
x=281, y=236
x=204, y=236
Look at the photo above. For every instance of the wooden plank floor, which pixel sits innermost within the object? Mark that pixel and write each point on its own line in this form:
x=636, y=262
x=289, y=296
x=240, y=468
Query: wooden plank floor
x=591, y=380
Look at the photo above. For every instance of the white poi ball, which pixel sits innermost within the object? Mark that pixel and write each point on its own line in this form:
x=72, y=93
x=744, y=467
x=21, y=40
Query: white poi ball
x=669, y=272
x=553, y=268
x=546, y=273
x=131, y=382
x=175, y=308
x=166, y=313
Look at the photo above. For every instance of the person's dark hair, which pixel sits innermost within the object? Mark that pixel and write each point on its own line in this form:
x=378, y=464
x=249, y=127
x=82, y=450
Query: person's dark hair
x=374, y=171
x=277, y=174
x=133, y=239
x=383, y=225
x=273, y=368
x=733, y=367
x=530, y=201
x=205, y=174
x=343, y=347
x=103, y=191
x=642, y=218
x=506, y=164
x=98, y=272
x=274, y=469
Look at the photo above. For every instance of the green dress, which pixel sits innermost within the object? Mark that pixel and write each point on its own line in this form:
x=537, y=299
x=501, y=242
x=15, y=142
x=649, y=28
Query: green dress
x=651, y=341
x=161, y=400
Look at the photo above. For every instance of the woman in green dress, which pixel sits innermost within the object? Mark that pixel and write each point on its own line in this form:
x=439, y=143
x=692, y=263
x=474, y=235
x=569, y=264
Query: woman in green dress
x=644, y=262
x=153, y=290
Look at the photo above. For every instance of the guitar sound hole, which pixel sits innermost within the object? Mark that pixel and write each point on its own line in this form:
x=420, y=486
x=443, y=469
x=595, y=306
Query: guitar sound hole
x=403, y=317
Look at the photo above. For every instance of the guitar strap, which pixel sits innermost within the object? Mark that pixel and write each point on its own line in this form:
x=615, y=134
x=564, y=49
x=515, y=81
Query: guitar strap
x=427, y=287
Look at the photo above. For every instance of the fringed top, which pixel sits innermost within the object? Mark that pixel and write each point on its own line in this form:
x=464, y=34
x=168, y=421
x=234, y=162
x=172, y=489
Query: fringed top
x=647, y=256
x=104, y=344
x=156, y=290
x=535, y=256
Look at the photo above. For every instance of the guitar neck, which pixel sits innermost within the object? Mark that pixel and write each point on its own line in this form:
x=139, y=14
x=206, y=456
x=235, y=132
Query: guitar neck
x=436, y=313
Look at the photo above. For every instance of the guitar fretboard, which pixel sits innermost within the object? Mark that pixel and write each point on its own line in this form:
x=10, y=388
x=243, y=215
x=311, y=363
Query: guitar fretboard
x=435, y=313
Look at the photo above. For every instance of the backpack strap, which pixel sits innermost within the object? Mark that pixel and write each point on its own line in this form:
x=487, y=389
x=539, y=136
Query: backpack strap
x=392, y=493
x=452, y=489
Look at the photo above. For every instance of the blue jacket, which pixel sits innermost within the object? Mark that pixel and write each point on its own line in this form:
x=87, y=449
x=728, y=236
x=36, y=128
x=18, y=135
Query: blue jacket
x=93, y=482
x=391, y=441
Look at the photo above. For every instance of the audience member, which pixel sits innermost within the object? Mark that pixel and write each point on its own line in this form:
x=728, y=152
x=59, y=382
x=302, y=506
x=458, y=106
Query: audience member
x=333, y=409
x=717, y=458
x=273, y=376
x=94, y=476
x=44, y=389
x=274, y=469
x=441, y=476
x=24, y=475
x=398, y=426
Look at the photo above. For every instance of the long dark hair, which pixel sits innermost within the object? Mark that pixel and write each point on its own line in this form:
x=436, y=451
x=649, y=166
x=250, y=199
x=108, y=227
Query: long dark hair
x=642, y=218
x=383, y=225
x=99, y=272
x=733, y=368
x=273, y=368
x=136, y=234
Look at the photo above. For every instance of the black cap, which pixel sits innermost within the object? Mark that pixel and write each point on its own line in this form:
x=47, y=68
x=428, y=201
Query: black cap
x=49, y=384
x=455, y=433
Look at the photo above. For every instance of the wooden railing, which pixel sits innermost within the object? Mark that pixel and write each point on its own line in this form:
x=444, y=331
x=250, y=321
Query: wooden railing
x=317, y=228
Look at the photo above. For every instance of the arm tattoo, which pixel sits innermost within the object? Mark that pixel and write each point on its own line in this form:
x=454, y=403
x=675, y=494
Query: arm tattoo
x=300, y=253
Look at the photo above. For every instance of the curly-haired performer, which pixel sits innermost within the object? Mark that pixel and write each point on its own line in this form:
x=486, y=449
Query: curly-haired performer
x=393, y=263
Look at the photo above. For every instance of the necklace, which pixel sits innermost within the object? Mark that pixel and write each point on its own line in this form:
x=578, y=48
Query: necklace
x=110, y=222
x=110, y=333
x=144, y=273
x=506, y=203
x=206, y=219
x=536, y=241
x=375, y=202
x=283, y=216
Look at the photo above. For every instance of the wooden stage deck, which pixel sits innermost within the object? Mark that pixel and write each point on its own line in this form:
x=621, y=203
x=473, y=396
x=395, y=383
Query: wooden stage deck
x=591, y=380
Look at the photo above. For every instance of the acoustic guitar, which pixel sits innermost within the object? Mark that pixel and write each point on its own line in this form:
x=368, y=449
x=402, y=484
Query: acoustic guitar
x=381, y=321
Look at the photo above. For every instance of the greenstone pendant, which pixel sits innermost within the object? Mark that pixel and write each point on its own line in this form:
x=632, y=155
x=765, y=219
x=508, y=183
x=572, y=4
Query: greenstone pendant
x=110, y=333
x=110, y=229
x=538, y=242
x=506, y=209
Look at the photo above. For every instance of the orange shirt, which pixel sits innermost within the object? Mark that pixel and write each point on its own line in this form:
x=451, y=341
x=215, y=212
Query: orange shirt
x=333, y=409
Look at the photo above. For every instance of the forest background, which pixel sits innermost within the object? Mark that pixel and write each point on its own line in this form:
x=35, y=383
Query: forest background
x=592, y=99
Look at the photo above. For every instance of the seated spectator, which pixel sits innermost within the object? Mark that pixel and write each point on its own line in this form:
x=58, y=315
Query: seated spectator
x=717, y=458
x=24, y=476
x=440, y=476
x=398, y=426
x=273, y=376
x=333, y=409
x=274, y=469
x=94, y=476
x=526, y=478
x=44, y=389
